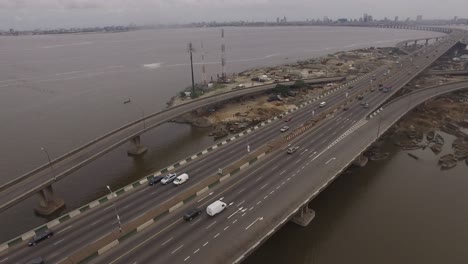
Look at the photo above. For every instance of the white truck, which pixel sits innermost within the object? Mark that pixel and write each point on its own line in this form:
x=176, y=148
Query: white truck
x=215, y=208
x=181, y=179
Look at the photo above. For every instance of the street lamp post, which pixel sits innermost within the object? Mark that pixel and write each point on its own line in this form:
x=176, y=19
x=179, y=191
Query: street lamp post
x=115, y=209
x=50, y=163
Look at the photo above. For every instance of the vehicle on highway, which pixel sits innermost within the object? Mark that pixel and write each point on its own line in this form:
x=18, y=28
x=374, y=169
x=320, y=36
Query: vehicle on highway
x=345, y=108
x=360, y=97
x=288, y=119
x=372, y=89
x=350, y=87
x=38, y=260
x=291, y=150
x=168, y=178
x=366, y=105
x=191, y=214
x=215, y=208
x=39, y=237
x=154, y=180
x=181, y=179
x=284, y=129
x=322, y=104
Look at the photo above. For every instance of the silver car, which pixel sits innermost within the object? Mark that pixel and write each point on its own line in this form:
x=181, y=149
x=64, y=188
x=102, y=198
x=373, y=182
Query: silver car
x=168, y=178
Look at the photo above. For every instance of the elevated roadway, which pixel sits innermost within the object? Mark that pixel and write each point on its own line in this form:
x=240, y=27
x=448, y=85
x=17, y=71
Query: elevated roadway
x=74, y=234
x=36, y=180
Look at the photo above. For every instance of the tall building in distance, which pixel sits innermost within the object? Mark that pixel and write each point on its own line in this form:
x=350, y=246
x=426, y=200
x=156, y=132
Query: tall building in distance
x=419, y=18
x=364, y=18
x=396, y=19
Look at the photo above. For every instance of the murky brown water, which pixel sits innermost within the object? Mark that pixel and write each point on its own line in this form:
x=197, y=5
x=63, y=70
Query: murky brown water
x=59, y=92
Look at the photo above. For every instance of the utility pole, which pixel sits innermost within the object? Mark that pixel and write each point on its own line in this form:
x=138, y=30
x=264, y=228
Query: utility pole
x=190, y=49
x=203, y=65
x=223, y=58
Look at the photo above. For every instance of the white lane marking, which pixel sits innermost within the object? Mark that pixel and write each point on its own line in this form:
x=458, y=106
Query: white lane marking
x=206, y=243
x=243, y=214
x=141, y=190
x=198, y=249
x=123, y=207
x=153, y=193
x=272, y=192
x=264, y=198
x=283, y=183
x=278, y=187
x=175, y=250
x=288, y=179
x=259, y=178
x=226, y=228
x=251, y=208
x=234, y=221
x=5, y=259
x=211, y=193
x=216, y=235
x=274, y=168
x=330, y=160
x=258, y=219
x=238, y=210
x=186, y=258
x=167, y=241
x=107, y=208
x=299, y=160
x=240, y=203
x=263, y=186
x=241, y=191
x=312, y=154
x=68, y=227
x=259, y=202
x=282, y=172
x=211, y=225
x=196, y=221
x=304, y=152
x=98, y=221
x=58, y=242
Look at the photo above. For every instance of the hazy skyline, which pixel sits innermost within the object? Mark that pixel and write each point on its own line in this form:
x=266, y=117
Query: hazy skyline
x=30, y=14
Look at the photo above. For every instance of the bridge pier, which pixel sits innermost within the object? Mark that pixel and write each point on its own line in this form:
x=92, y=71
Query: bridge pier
x=361, y=161
x=48, y=202
x=427, y=42
x=138, y=149
x=304, y=216
x=406, y=44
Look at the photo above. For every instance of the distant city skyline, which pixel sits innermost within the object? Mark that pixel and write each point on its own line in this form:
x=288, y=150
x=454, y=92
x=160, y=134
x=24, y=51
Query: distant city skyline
x=31, y=14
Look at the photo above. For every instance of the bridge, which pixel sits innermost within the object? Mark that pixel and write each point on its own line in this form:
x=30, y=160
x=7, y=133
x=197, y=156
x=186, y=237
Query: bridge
x=318, y=144
x=41, y=179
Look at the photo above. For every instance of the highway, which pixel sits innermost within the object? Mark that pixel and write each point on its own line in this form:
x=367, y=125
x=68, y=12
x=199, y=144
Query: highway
x=30, y=183
x=260, y=199
x=97, y=222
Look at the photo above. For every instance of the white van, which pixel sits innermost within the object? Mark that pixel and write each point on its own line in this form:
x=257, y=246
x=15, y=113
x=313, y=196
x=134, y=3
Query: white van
x=215, y=208
x=322, y=104
x=181, y=179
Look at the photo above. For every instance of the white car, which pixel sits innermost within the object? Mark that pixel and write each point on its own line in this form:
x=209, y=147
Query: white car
x=322, y=104
x=168, y=178
x=284, y=129
x=291, y=150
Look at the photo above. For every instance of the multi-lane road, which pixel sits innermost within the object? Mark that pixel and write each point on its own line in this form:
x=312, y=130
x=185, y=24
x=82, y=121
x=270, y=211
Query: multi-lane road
x=254, y=197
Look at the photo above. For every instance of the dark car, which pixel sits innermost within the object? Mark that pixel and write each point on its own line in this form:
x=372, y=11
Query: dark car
x=288, y=119
x=38, y=260
x=155, y=180
x=38, y=238
x=191, y=214
x=350, y=87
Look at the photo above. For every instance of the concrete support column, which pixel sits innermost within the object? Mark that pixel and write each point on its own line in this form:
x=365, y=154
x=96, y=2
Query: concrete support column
x=361, y=161
x=304, y=216
x=48, y=202
x=138, y=149
x=406, y=44
x=427, y=42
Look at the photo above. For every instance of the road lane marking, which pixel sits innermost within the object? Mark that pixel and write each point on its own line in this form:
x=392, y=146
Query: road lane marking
x=5, y=259
x=263, y=186
x=226, y=228
x=208, y=195
x=186, y=258
x=58, y=242
x=240, y=203
x=258, y=219
x=198, y=249
x=265, y=197
x=259, y=178
x=196, y=221
x=234, y=221
x=68, y=227
x=141, y=190
x=238, y=210
x=216, y=235
x=167, y=241
x=123, y=207
x=330, y=160
x=282, y=172
x=274, y=168
x=241, y=191
x=259, y=202
x=243, y=214
x=312, y=154
x=175, y=250
x=211, y=225
x=107, y=208
x=206, y=243
x=153, y=193
x=299, y=160
x=272, y=192
x=251, y=208
x=98, y=221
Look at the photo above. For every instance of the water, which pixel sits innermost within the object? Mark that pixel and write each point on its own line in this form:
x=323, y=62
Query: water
x=397, y=210
x=59, y=92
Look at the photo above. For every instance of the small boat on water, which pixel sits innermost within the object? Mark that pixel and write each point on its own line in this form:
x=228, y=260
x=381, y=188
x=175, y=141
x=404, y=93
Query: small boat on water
x=127, y=101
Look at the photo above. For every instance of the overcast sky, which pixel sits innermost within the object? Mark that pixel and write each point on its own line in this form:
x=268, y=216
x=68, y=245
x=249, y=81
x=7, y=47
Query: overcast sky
x=30, y=14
